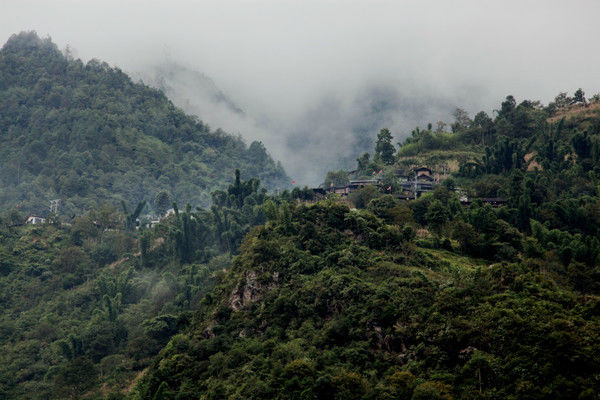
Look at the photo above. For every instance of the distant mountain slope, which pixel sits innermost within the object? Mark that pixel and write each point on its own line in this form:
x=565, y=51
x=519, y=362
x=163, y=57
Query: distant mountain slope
x=85, y=133
x=182, y=84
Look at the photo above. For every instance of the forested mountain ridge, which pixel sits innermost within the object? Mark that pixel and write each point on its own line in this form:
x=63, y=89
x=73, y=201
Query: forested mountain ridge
x=328, y=303
x=87, y=134
x=440, y=297
x=374, y=295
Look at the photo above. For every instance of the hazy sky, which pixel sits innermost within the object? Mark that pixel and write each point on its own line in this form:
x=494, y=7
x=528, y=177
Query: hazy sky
x=280, y=59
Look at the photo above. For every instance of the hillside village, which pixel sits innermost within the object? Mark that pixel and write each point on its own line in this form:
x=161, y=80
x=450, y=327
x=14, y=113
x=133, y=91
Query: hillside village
x=412, y=184
x=417, y=181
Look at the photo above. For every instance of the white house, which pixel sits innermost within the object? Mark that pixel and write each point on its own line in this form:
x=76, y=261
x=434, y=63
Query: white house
x=169, y=212
x=33, y=219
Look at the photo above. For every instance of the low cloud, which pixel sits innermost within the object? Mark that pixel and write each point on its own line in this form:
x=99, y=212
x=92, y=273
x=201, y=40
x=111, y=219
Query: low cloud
x=329, y=134
x=315, y=80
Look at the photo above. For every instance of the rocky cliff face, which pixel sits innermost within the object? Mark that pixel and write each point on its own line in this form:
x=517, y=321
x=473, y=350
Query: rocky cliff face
x=249, y=290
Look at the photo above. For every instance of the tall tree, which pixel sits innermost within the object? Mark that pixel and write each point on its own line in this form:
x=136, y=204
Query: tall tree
x=162, y=202
x=507, y=107
x=462, y=120
x=363, y=162
x=337, y=178
x=130, y=219
x=483, y=124
x=384, y=149
x=441, y=127
x=579, y=96
x=436, y=215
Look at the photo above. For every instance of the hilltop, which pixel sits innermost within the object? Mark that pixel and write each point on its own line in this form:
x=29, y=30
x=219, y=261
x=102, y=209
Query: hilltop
x=480, y=154
x=369, y=296
x=88, y=135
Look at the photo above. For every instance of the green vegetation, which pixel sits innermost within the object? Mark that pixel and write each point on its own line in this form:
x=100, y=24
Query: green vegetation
x=78, y=309
x=424, y=299
x=384, y=150
x=88, y=135
x=328, y=303
x=87, y=306
x=260, y=296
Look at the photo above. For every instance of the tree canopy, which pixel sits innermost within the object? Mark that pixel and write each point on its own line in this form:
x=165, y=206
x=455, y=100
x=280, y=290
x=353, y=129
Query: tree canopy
x=87, y=134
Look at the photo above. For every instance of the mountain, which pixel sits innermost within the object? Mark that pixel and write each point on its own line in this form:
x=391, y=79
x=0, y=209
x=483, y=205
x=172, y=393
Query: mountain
x=87, y=134
x=187, y=87
x=484, y=284
x=451, y=295
x=328, y=303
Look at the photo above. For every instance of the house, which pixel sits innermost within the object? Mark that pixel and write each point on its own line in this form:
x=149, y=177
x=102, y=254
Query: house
x=494, y=201
x=421, y=172
x=34, y=219
x=168, y=213
x=361, y=183
x=425, y=178
x=343, y=190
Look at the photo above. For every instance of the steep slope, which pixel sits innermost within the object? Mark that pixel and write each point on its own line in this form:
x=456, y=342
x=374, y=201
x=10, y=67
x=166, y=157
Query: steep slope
x=434, y=298
x=86, y=134
x=328, y=303
x=85, y=318
x=85, y=307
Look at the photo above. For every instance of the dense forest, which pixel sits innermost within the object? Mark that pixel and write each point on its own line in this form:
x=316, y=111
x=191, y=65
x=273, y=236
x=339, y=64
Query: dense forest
x=371, y=296
x=87, y=135
x=302, y=294
x=328, y=303
x=86, y=306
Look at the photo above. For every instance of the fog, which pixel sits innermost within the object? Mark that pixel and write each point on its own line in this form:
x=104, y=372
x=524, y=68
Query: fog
x=316, y=80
